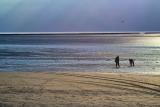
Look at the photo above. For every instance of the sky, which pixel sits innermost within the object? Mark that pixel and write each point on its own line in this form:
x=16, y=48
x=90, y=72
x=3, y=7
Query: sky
x=79, y=15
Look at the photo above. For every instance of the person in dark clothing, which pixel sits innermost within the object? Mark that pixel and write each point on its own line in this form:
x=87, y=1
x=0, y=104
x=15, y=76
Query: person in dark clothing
x=131, y=61
x=117, y=62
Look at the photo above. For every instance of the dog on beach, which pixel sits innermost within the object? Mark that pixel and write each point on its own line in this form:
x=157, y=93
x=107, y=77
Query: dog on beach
x=131, y=61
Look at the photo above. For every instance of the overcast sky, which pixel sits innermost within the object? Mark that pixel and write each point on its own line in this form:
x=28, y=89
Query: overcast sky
x=79, y=15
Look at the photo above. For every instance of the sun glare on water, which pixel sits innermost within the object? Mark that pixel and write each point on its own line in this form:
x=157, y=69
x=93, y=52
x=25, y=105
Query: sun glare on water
x=153, y=41
x=149, y=40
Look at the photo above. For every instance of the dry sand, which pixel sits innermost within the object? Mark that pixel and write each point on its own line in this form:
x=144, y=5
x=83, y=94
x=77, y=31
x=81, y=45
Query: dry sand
x=46, y=89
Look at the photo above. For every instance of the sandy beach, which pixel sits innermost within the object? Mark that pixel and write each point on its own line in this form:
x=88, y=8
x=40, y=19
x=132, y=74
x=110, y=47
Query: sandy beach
x=77, y=89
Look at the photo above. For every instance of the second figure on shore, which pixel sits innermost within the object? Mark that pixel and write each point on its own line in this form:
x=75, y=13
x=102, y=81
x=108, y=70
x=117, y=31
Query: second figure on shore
x=131, y=61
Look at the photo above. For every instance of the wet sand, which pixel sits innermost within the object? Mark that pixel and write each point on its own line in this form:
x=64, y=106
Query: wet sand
x=70, y=89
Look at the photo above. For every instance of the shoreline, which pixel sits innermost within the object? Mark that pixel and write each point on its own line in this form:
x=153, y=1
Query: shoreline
x=92, y=72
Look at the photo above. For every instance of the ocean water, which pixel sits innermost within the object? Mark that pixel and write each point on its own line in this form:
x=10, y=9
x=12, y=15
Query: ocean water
x=27, y=53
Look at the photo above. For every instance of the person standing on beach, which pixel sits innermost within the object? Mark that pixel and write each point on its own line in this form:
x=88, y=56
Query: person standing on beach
x=117, y=62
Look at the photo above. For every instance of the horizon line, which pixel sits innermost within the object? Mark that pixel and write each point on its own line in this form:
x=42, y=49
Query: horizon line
x=76, y=33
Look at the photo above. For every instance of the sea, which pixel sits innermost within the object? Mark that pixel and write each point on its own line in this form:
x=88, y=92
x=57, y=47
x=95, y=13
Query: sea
x=84, y=53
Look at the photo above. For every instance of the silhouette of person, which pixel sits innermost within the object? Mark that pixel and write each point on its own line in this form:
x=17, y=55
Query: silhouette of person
x=131, y=61
x=117, y=62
